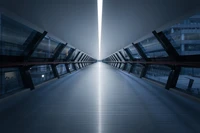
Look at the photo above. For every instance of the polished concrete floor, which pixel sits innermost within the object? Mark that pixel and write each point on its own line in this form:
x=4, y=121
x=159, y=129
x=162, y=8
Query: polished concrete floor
x=99, y=99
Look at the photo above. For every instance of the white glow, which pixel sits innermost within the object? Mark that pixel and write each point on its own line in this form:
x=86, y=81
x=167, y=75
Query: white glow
x=100, y=12
x=42, y=76
x=99, y=99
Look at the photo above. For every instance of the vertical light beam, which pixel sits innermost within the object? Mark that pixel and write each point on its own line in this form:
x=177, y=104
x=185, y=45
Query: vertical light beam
x=100, y=12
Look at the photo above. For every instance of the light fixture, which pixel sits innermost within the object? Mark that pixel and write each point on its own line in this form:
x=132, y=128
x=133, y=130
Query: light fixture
x=100, y=11
x=42, y=76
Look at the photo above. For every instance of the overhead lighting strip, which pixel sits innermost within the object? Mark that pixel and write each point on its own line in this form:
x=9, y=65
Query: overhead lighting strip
x=100, y=12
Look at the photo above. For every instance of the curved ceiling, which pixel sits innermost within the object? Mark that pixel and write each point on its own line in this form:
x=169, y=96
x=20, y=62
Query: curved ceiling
x=124, y=21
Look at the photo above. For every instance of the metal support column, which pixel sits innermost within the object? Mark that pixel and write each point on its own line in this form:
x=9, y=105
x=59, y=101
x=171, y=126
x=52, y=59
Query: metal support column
x=144, y=57
x=131, y=69
x=125, y=64
x=55, y=71
x=129, y=54
x=74, y=64
x=116, y=60
x=173, y=78
x=70, y=53
x=144, y=71
x=85, y=64
x=115, y=64
x=26, y=77
x=31, y=43
x=58, y=50
x=131, y=58
x=140, y=51
x=173, y=55
x=79, y=60
x=82, y=61
x=166, y=44
x=120, y=64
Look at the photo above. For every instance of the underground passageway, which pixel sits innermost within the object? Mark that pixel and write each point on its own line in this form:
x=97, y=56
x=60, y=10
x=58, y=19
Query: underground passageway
x=99, y=99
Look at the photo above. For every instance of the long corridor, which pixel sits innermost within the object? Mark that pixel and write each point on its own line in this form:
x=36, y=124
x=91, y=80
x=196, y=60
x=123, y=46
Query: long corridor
x=99, y=99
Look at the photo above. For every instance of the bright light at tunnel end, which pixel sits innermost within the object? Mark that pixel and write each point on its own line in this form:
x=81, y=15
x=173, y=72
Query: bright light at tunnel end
x=100, y=12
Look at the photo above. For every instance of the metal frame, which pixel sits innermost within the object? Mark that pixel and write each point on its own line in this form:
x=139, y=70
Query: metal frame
x=174, y=60
x=32, y=42
x=58, y=50
x=131, y=58
x=144, y=57
x=74, y=65
x=79, y=60
x=25, y=61
x=119, y=60
x=125, y=64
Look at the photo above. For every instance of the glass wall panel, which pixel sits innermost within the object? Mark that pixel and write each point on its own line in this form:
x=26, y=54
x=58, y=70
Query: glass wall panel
x=41, y=73
x=64, y=53
x=128, y=67
x=134, y=53
x=153, y=48
x=73, y=55
x=71, y=67
x=77, y=66
x=61, y=69
x=187, y=76
x=125, y=54
x=13, y=36
x=158, y=73
x=137, y=69
x=10, y=80
x=185, y=36
x=122, y=66
x=46, y=48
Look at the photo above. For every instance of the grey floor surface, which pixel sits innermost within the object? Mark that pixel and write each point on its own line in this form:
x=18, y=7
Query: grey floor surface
x=99, y=99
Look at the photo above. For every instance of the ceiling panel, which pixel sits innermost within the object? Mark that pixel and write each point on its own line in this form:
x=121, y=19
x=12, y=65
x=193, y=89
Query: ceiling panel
x=124, y=21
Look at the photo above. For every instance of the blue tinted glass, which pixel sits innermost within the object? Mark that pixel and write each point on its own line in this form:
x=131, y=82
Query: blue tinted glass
x=186, y=76
x=125, y=54
x=134, y=53
x=137, y=69
x=41, y=73
x=153, y=48
x=185, y=36
x=46, y=48
x=65, y=52
x=61, y=69
x=158, y=73
x=13, y=36
x=10, y=80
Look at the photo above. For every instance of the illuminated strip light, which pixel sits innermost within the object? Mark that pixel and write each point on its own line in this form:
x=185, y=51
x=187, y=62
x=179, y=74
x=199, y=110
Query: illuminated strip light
x=100, y=12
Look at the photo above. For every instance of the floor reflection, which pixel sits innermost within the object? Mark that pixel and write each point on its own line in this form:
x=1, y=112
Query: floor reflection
x=99, y=99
